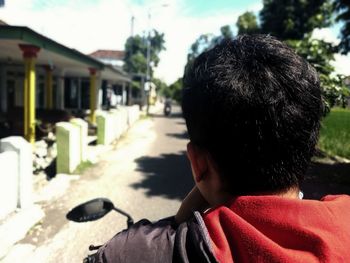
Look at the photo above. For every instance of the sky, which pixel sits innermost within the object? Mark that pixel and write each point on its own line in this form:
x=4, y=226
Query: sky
x=88, y=25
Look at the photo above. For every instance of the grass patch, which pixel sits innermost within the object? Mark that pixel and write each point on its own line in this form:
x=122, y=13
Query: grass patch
x=144, y=116
x=36, y=227
x=83, y=166
x=335, y=133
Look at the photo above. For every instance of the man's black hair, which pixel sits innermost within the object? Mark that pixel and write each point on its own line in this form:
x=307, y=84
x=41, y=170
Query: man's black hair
x=255, y=106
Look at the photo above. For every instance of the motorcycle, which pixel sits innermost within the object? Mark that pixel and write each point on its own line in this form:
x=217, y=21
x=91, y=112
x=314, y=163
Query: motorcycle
x=93, y=210
x=167, y=108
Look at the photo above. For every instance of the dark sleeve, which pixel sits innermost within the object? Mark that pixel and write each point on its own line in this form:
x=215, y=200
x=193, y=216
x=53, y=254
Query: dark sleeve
x=192, y=242
x=142, y=242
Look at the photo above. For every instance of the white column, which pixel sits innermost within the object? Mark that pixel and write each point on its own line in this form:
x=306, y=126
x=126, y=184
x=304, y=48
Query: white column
x=3, y=89
x=99, y=91
x=60, y=90
x=79, y=94
x=124, y=94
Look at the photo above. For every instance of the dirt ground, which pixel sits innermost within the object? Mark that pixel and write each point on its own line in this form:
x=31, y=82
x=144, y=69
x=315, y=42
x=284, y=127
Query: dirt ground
x=327, y=176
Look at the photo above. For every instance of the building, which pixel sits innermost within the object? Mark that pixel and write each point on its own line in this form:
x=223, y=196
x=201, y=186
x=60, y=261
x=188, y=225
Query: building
x=112, y=94
x=110, y=57
x=39, y=76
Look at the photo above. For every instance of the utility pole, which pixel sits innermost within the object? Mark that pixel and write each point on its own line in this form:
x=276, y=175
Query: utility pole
x=148, y=59
x=148, y=71
x=132, y=25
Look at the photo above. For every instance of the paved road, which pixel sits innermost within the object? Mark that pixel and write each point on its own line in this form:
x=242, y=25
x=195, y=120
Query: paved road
x=146, y=174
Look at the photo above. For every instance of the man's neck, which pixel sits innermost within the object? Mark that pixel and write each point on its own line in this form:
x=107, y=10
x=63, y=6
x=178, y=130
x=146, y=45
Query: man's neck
x=224, y=197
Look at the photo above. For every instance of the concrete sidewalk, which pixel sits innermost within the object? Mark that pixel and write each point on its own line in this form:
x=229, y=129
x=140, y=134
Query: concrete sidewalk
x=17, y=225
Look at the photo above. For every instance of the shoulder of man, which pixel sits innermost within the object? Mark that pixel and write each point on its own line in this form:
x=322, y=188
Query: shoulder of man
x=162, y=241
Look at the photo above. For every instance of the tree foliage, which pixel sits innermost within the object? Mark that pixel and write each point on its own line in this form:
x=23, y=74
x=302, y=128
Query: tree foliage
x=176, y=89
x=343, y=14
x=135, y=60
x=317, y=52
x=294, y=22
x=320, y=54
x=201, y=44
x=162, y=88
x=207, y=41
x=292, y=19
x=226, y=32
x=247, y=24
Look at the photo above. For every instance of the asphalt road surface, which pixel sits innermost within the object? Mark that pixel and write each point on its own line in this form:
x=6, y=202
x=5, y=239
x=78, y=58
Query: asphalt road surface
x=146, y=174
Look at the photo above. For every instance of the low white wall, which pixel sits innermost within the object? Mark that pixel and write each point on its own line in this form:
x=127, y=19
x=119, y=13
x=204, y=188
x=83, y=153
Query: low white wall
x=68, y=147
x=133, y=114
x=16, y=182
x=83, y=136
x=8, y=183
x=111, y=125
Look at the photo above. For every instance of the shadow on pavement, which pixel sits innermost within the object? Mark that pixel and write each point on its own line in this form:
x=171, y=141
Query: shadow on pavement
x=50, y=170
x=326, y=178
x=181, y=136
x=168, y=175
x=172, y=115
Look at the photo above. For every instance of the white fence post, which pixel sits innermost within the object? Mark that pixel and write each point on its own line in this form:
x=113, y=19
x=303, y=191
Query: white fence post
x=8, y=183
x=24, y=168
x=68, y=147
x=83, y=130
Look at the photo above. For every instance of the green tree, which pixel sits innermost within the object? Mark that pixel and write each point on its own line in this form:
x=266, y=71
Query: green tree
x=343, y=15
x=135, y=60
x=292, y=19
x=294, y=22
x=201, y=44
x=162, y=88
x=207, y=41
x=176, y=89
x=247, y=24
x=317, y=52
x=320, y=54
x=226, y=32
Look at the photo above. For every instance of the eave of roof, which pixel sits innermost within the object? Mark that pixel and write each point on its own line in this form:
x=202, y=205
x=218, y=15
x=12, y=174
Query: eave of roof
x=31, y=37
x=123, y=75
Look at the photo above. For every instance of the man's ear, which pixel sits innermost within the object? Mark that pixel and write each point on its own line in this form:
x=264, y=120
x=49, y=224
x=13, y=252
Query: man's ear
x=199, y=161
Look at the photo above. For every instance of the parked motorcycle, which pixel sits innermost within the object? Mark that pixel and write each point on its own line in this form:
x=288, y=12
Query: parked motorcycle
x=93, y=210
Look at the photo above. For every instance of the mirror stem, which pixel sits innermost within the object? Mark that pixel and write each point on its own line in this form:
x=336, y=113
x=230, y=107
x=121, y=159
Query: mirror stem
x=130, y=221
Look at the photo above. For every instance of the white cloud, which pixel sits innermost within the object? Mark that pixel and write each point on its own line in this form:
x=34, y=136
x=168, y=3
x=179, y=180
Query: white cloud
x=341, y=62
x=106, y=25
x=325, y=34
x=182, y=30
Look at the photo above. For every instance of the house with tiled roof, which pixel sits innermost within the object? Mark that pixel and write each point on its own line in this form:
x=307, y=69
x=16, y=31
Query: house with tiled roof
x=2, y=23
x=111, y=57
x=40, y=75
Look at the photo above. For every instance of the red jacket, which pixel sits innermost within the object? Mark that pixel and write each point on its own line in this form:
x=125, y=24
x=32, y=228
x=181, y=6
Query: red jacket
x=276, y=229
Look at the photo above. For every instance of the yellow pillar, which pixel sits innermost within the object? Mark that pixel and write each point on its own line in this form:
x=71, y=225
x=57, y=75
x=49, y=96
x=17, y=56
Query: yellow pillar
x=93, y=95
x=49, y=88
x=29, y=55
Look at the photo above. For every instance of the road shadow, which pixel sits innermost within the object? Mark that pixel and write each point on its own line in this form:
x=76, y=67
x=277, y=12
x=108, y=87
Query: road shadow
x=326, y=178
x=51, y=169
x=168, y=175
x=180, y=136
x=172, y=115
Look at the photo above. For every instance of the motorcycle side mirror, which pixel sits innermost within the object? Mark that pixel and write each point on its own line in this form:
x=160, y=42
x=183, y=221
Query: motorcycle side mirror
x=90, y=210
